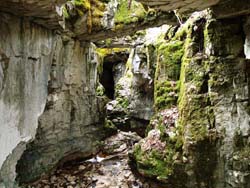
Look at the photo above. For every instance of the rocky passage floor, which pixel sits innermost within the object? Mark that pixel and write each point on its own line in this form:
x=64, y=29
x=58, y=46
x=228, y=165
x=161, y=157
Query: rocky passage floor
x=109, y=169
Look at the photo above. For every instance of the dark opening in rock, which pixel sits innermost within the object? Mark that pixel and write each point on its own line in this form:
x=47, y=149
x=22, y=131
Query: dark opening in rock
x=113, y=68
x=204, y=86
x=199, y=34
x=107, y=79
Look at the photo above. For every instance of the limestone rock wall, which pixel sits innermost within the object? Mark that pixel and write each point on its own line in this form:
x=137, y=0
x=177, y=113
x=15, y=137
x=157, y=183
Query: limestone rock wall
x=41, y=12
x=208, y=147
x=182, y=6
x=213, y=106
x=26, y=55
x=44, y=75
x=71, y=123
x=136, y=84
x=142, y=83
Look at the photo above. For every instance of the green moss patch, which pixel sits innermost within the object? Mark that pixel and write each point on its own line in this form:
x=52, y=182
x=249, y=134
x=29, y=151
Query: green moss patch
x=154, y=163
x=168, y=73
x=126, y=14
x=100, y=90
x=169, y=60
x=166, y=94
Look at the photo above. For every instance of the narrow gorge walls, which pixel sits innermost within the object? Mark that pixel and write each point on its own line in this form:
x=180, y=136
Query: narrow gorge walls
x=191, y=86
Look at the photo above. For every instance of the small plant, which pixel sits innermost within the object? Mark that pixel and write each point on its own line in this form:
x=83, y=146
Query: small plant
x=100, y=90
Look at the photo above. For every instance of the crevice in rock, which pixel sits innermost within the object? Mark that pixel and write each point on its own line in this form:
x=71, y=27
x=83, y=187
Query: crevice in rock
x=113, y=68
x=4, y=64
x=107, y=79
x=204, y=86
x=73, y=112
x=198, y=32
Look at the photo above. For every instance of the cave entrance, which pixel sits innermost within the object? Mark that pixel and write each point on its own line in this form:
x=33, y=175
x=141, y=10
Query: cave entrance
x=114, y=66
x=107, y=79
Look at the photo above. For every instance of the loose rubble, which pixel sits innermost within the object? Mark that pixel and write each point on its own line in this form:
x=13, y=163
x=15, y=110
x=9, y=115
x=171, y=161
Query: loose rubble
x=109, y=169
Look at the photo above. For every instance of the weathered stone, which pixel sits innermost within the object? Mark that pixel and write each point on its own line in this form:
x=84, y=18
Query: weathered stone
x=71, y=121
x=154, y=20
x=212, y=106
x=232, y=8
x=182, y=6
x=35, y=61
x=133, y=85
x=158, y=154
x=87, y=22
x=41, y=12
x=220, y=95
x=26, y=55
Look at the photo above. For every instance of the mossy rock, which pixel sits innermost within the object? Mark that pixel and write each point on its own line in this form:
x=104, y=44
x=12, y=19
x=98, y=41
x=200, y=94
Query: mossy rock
x=93, y=9
x=157, y=163
x=166, y=94
x=126, y=14
x=109, y=125
x=81, y=7
x=225, y=38
x=104, y=52
x=168, y=73
x=169, y=60
x=154, y=163
x=160, y=153
x=123, y=102
x=100, y=90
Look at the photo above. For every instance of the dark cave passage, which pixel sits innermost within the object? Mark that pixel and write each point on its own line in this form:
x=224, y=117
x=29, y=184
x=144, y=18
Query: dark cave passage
x=107, y=80
x=113, y=69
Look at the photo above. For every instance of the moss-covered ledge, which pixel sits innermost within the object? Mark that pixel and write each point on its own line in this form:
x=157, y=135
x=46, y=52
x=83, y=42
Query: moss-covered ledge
x=122, y=29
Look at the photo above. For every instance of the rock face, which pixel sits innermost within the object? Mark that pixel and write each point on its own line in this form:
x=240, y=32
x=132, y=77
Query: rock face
x=159, y=154
x=41, y=12
x=51, y=76
x=182, y=6
x=232, y=8
x=135, y=85
x=39, y=69
x=221, y=93
x=50, y=112
x=213, y=124
x=125, y=22
x=220, y=9
x=71, y=123
x=142, y=83
x=26, y=55
x=89, y=20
